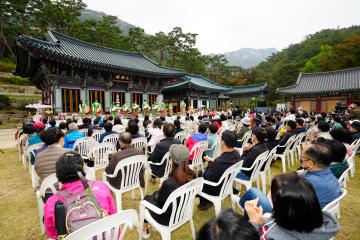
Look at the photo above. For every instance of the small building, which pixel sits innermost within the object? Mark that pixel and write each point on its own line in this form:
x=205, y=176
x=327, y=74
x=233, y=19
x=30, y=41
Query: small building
x=68, y=70
x=243, y=95
x=196, y=91
x=321, y=92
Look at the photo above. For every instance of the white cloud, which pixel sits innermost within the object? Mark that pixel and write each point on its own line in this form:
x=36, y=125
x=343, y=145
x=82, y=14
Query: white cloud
x=229, y=25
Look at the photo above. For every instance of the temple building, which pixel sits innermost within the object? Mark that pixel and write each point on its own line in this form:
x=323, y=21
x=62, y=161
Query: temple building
x=196, y=90
x=68, y=70
x=242, y=95
x=322, y=92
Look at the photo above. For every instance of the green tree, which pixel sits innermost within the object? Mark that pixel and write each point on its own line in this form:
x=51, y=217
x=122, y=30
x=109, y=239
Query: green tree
x=326, y=60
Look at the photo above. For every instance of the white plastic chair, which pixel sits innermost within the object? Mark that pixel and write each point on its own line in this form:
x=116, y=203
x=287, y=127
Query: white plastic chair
x=255, y=167
x=31, y=152
x=198, y=150
x=112, y=138
x=351, y=162
x=108, y=228
x=266, y=169
x=355, y=145
x=334, y=206
x=245, y=139
x=84, y=131
x=83, y=145
x=344, y=178
x=286, y=153
x=140, y=143
x=215, y=148
x=96, y=134
x=100, y=155
x=130, y=171
x=119, y=128
x=301, y=138
x=48, y=183
x=168, y=166
x=182, y=202
x=226, y=180
x=293, y=149
x=181, y=136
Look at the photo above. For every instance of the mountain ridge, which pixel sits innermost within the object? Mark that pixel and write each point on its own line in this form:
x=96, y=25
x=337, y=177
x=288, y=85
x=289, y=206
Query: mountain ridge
x=248, y=57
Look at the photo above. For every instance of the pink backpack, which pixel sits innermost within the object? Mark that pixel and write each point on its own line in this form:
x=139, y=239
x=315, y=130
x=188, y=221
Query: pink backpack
x=80, y=210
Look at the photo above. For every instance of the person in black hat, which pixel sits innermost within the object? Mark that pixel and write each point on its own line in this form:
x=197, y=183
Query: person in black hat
x=355, y=130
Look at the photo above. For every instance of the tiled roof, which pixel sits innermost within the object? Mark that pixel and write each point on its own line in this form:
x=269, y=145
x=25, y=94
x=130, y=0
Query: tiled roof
x=256, y=88
x=198, y=82
x=73, y=51
x=346, y=80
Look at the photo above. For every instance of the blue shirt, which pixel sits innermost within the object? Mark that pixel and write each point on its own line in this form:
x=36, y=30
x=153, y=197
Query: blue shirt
x=325, y=184
x=106, y=134
x=34, y=140
x=71, y=138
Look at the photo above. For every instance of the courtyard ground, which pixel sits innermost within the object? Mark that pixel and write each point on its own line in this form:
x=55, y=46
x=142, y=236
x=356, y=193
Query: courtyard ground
x=19, y=218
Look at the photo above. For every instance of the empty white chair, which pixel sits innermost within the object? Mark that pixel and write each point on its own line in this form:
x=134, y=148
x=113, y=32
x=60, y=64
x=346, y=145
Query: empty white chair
x=344, y=178
x=334, y=206
x=266, y=169
x=112, y=227
x=255, y=168
x=100, y=155
x=286, y=153
x=83, y=145
x=198, y=150
x=49, y=183
x=130, y=171
x=112, y=138
x=182, y=202
x=226, y=180
x=96, y=134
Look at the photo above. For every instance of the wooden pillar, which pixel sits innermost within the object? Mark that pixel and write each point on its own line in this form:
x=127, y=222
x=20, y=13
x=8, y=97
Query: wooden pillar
x=318, y=104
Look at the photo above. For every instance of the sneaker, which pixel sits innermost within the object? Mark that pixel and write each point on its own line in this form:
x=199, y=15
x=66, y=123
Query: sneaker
x=146, y=234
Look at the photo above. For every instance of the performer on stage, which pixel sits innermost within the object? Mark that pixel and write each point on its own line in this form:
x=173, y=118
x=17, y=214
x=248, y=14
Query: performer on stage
x=171, y=109
x=162, y=108
x=81, y=109
x=135, y=108
x=125, y=109
x=154, y=108
x=96, y=107
x=113, y=110
x=182, y=106
x=146, y=108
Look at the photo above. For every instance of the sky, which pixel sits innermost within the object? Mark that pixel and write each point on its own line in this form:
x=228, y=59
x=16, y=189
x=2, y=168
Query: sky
x=228, y=25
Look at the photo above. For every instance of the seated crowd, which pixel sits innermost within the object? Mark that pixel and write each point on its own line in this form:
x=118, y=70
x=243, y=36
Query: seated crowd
x=292, y=210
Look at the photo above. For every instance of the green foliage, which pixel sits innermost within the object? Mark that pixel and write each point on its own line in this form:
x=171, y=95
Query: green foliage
x=4, y=101
x=16, y=80
x=7, y=65
x=329, y=49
